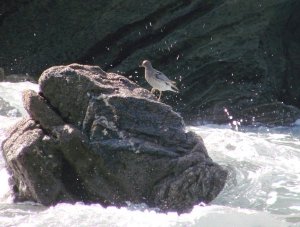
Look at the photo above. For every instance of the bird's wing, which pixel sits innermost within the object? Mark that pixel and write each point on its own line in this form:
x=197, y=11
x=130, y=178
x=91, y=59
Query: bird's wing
x=159, y=75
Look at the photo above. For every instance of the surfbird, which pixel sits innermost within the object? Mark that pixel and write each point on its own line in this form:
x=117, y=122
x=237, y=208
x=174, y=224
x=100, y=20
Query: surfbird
x=158, y=80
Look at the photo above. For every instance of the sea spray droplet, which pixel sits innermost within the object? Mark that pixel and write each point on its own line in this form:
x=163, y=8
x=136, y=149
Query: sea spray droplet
x=234, y=124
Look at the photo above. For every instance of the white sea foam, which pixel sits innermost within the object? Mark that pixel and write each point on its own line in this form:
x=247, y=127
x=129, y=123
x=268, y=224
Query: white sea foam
x=12, y=93
x=264, y=167
x=95, y=215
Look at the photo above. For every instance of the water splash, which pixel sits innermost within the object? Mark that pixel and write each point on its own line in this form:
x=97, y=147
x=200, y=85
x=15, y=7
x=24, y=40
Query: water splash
x=264, y=167
x=233, y=123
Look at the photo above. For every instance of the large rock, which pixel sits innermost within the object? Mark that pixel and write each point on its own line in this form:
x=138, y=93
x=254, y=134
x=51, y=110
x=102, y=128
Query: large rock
x=98, y=137
x=238, y=55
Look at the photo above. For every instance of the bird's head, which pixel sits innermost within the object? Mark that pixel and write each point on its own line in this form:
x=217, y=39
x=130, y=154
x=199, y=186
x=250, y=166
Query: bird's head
x=146, y=64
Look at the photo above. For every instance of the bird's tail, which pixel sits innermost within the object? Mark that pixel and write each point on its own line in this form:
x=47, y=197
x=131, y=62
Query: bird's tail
x=173, y=87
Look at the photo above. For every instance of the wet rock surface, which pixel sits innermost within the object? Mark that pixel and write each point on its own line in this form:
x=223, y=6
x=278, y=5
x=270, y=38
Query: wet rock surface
x=238, y=55
x=93, y=136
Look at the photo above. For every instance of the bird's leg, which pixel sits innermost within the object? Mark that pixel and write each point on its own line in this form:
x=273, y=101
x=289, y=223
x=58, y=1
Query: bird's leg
x=152, y=90
x=160, y=92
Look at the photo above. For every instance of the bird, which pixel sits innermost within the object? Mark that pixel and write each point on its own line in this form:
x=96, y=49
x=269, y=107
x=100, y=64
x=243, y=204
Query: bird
x=158, y=80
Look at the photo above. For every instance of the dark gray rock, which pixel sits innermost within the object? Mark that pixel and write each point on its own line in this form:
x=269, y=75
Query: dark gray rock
x=14, y=78
x=238, y=55
x=2, y=74
x=35, y=164
x=98, y=137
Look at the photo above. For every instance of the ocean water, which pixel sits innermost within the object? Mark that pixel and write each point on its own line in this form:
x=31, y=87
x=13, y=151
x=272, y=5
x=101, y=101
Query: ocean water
x=263, y=187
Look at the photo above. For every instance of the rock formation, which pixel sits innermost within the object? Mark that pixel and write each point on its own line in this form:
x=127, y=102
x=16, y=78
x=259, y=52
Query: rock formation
x=93, y=136
x=238, y=55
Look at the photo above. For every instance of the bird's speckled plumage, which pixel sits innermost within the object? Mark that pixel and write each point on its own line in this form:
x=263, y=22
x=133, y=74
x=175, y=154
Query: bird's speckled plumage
x=157, y=79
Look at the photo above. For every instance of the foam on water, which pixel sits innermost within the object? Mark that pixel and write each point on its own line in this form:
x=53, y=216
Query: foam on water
x=95, y=215
x=264, y=168
x=263, y=187
x=12, y=93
